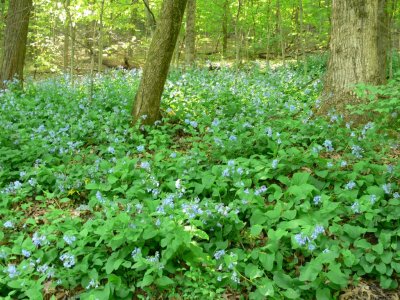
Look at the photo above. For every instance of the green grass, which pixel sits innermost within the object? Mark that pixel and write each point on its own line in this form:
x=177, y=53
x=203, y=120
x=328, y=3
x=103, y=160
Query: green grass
x=239, y=190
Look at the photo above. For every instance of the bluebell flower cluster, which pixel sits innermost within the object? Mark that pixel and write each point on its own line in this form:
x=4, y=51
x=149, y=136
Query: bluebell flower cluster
x=68, y=260
x=303, y=239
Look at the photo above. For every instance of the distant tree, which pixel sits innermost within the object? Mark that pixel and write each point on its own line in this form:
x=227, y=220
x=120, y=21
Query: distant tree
x=190, y=40
x=358, y=49
x=148, y=96
x=15, y=38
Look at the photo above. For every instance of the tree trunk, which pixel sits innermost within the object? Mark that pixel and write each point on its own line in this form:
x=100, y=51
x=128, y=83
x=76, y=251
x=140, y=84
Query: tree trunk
x=358, y=50
x=100, y=41
x=2, y=22
x=15, y=38
x=238, y=35
x=190, y=40
x=301, y=31
x=225, y=29
x=67, y=34
x=268, y=32
x=148, y=96
x=280, y=30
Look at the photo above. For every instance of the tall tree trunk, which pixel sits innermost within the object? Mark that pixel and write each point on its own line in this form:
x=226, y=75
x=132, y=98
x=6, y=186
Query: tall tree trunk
x=225, y=29
x=301, y=31
x=2, y=22
x=391, y=46
x=358, y=49
x=280, y=30
x=15, y=38
x=238, y=34
x=67, y=34
x=100, y=41
x=267, y=58
x=148, y=96
x=190, y=40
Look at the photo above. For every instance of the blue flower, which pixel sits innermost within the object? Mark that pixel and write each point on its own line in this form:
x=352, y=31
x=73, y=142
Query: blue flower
x=301, y=239
x=111, y=150
x=317, y=231
x=218, y=254
x=387, y=188
x=26, y=253
x=357, y=151
x=12, y=271
x=274, y=164
x=39, y=240
x=140, y=148
x=8, y=224
x=215, y=123
x=311, y=247
x=68, y=260
x=136, y=252
x=145, y=165
x=355, y=207
x=350, y=185
x=317, y=199
x=69, y=239
x=328, y=145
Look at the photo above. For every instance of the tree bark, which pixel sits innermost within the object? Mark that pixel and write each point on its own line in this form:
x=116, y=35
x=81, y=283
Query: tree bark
x=301, y=31
x=67, y=34
x=238, y=35
x=15, y=39
x=100, y=41
x=148, y=96
x=225, y=29
x=280, y=30
x=358, y=50
x=190, y=40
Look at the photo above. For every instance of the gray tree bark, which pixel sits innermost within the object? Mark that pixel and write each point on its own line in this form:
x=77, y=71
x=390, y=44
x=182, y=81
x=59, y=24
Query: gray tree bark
x=148, y=96
x=358, y=50
x=15, y=38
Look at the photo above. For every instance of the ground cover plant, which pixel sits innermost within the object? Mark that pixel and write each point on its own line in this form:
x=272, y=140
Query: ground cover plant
x=240, y=190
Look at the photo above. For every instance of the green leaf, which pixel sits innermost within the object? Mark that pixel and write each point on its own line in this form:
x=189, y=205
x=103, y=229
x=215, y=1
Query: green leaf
x=267, y=260
x=310, y=271
x=252, y=271
x=300, y=178
x=378, y=248
x=282, y=280
x=323, y=294
x=265, y=287
x=336, y=276
x=381, y=268
x=208, y=180
x=258, y=217
x=291, y=294
x=164, y=281
x=354, y=231
x=147, y=280
x=255, y=230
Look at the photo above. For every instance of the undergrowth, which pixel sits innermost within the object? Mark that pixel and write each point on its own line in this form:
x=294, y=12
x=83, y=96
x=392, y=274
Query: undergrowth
x=239, y=191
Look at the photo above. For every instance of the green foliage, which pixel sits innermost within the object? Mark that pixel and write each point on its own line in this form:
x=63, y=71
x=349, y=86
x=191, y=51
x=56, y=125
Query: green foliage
x=381, y=103
x=238, y=190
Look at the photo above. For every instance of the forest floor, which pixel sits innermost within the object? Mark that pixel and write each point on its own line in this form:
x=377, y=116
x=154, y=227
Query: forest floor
x=240, y=192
